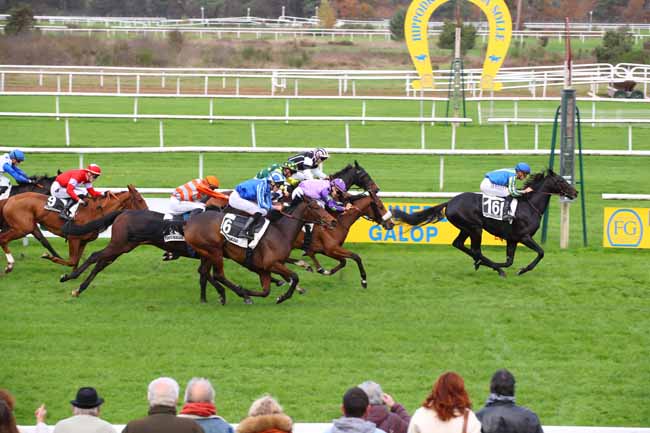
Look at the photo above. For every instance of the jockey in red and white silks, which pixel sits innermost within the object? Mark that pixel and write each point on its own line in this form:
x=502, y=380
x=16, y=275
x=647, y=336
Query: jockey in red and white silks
x=73, y=183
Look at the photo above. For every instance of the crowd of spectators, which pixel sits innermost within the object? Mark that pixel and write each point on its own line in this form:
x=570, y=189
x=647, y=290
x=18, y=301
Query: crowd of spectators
x=365, y=409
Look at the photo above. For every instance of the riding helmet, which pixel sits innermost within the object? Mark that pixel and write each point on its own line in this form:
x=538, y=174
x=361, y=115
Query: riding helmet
x=18, y=155
x=523, y=167
x=94, y=169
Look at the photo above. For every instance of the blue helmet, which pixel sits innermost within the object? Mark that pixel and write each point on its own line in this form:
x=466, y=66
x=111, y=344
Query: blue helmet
x=276, y=177
x=18, y=155
x=523, y=167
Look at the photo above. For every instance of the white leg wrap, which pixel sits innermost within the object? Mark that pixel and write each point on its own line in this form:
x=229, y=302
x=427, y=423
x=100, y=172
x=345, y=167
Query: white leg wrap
x=10, y=259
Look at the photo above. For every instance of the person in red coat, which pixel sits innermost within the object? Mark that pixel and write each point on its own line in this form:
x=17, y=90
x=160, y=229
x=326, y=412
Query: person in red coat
x=73, y=185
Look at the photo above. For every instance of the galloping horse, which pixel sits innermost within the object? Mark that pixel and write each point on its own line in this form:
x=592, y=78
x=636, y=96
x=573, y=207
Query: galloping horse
x=22, y=213
x=330, y=242
x=203, y=234
x=465, y=212
x=356, y=175
x=41, y=185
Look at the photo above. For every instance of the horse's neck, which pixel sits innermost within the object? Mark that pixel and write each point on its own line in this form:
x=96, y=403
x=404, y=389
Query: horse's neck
x=348, y=218
x=109, y=205
x=291, y=226
x=540, y=198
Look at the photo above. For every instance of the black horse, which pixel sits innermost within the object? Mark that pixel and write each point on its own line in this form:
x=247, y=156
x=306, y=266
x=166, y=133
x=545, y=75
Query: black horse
x=356, y=175
x=465, y=212
x=41, y=185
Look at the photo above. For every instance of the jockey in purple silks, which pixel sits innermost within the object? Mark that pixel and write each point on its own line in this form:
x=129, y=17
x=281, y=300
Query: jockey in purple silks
x=328, y=193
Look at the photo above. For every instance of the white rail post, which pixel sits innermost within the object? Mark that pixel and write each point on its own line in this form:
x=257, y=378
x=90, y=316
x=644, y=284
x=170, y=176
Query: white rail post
x=137, y=84
x=629, y=137
x=223, y=80
x=478, y=108
x=363, y=112
x=347, y=135
x=101, y=78
x=119, y=88
x=161, y=133
x=81, y=160
x=70, y=83
x=162, y=80
x=536, y=136
x=295, y=87
x=544, y=86
x=433, y=111
x=40, y=79
x=340, y=87
x=286, y=111
x=421, y=105
x=505, y=135
x=67, y=131
x=205, y=85
x=516, y=110
x=58, y=83
x=57, y=107
x=453, y=136
x=593, y=113
x=201, y=165
x=254, y=141
x=135, y=109
x=178, y=85
x=237, y=86
x=354, y=88
x=645, y=83
x=422, y=138
x=211, y=110
x=441, y=183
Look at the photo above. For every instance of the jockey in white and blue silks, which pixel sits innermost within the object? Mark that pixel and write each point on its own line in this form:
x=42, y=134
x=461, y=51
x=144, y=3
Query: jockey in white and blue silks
x=9, y=165
x=255, y=197
x=502, y=183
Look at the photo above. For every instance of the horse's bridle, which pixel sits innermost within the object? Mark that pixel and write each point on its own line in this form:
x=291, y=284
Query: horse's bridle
x=319, y=222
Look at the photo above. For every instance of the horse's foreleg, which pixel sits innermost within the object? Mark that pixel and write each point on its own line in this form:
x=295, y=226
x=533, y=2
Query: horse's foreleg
x=6, y=237
x=459, y=243
x=43, y=240
x=101, y=259
x=279, y=268
x=301, y=263
x=75, y=250
x=479, y=258
x=511, y=247
x=530, y=243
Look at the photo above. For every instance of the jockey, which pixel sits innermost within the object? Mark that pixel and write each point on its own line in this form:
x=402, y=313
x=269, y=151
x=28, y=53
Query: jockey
x=287, y=168
x=254, y=197
x=309, y=164
x=9, y=164
x=193, y=195
x=328, y=193
x=502, y=183
x=74, y=184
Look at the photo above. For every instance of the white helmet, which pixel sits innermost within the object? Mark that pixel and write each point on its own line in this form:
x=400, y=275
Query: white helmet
x=321, y=153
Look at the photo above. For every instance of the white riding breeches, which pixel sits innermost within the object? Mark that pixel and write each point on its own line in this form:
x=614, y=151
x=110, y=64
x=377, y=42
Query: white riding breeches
x=5, y=182
x=59, y=191
x=247, y=206
x=489, y=188
x=178, y=207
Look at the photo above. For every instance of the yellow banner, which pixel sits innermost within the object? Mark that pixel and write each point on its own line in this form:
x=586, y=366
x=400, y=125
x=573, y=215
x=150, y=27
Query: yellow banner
x=416, y=26
x=626, y=227
x=442, y=232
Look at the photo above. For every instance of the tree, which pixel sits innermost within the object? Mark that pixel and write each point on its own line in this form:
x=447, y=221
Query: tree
x=326, y=14
x=616, y=45
x=21, y=20
x=397, y=25
x=448, y=37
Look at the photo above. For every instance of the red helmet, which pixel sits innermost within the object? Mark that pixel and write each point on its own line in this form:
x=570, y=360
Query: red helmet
x=94, y=169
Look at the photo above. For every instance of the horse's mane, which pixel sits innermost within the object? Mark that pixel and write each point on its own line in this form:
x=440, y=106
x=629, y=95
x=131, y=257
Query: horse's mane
x=538, y=177
x=338, y=173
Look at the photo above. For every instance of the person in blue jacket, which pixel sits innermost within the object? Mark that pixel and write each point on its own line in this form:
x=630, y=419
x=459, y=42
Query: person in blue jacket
x=502, y=183
x=9, y=165
x=255, y=196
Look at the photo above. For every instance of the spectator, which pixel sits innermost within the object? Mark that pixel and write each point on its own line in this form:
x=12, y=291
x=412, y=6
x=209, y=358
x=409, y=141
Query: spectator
x=85, y=415
x=265, y=416
x=199, y=406
x=355, y=407
x=387, y=415
x=163, y=397
x=447, y=409
x=500, y=414
x=7, y=419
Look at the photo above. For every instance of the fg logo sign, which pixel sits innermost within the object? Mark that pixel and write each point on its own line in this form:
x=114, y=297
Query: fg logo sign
x=625, y=228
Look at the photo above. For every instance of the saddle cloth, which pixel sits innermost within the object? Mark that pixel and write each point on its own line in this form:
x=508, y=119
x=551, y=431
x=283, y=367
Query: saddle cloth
x=494, y=207
x=231, y=228
x=56, y=205
x=173, y=231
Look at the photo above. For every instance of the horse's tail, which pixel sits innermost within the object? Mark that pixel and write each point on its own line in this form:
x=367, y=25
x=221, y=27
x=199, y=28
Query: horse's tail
x=429, y=215
x=100, y=224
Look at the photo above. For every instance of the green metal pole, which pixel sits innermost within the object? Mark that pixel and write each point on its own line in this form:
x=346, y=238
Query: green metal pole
x=582, y=182
x=550, y=165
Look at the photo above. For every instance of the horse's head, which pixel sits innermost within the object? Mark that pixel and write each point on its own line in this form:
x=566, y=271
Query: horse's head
x=135, y=199
x=130, y=199
x=373, y=209
x=356, y=175
x=552, y=183
x=315, y=213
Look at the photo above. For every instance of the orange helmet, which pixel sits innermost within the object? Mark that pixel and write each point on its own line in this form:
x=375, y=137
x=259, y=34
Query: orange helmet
x=212, y=181
x=94, y=169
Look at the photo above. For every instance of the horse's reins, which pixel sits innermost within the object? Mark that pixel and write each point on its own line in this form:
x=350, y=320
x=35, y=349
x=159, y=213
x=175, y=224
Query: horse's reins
x=319, y=222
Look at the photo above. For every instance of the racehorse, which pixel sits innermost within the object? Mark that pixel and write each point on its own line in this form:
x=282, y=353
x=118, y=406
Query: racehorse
x=465, y=212
x=41, y=185
x=330, y=242
x=356, y=175
x=24, y=212
x=203, y=234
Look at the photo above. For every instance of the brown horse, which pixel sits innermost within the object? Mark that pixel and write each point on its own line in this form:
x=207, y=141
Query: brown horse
x=21, y=215
x=330, y=242
x=203, y=234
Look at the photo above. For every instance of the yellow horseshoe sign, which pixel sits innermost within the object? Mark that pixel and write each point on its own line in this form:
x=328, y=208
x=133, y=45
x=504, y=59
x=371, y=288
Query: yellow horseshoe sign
x=416, y=33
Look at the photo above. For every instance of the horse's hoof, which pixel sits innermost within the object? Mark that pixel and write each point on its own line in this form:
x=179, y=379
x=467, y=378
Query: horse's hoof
x=64, y=278
x=280, y=283
x=280, y=299
x=522, y=271
x=75, y=293
x=9, y=269
x=364, y=284
x=501, y=273
x=323, y=271
x=247, y=301
x=222, y=301
x=477, y=264
x=46, y=256
x=301, y=290
x=309, y=268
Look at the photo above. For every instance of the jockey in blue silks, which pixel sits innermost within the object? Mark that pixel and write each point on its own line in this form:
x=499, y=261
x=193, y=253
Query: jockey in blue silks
x=502, y=183
x=9, y=165
x=254, y=197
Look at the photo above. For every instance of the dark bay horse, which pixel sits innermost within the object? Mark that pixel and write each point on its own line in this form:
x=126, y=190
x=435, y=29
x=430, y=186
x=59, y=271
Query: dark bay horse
x=329, y=242
x=356, y=175
x=465, y=212
x=22, y=214
x=203, y=234
x=41, y=185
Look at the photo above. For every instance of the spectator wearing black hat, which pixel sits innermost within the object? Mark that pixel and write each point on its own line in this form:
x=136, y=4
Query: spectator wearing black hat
x=85, y=415
x=501, y=414
x=355, y=408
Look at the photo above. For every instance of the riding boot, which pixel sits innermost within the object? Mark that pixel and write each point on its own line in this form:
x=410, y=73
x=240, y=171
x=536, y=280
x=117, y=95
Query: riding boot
x=65, y=212
x=249, y=227
x=2, y=190
x=507, y=215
